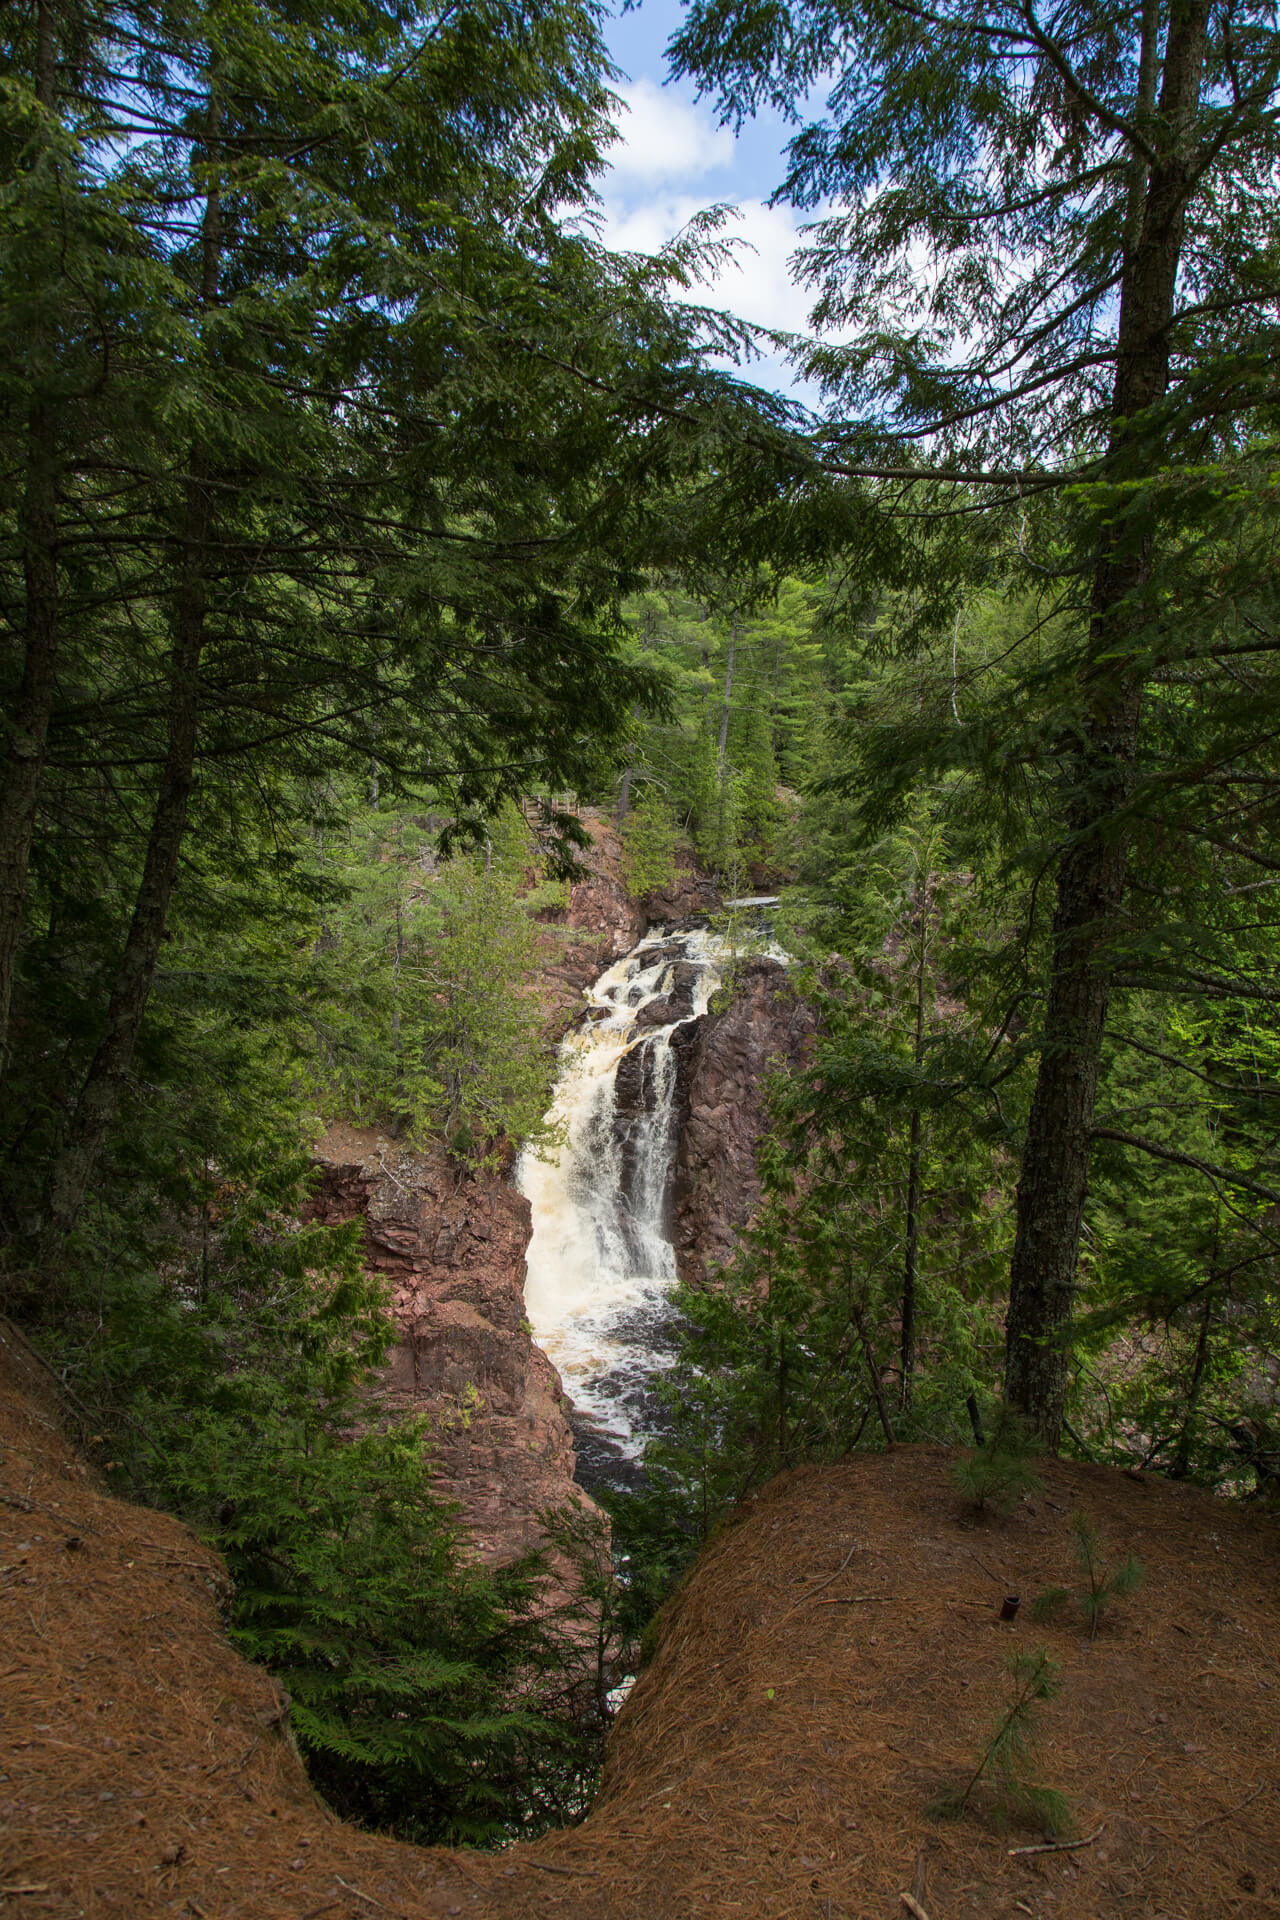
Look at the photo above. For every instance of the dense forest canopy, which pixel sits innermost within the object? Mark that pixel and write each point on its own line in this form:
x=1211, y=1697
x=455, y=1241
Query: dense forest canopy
x=331, y=449
x=1053, y=237
x=356, y=502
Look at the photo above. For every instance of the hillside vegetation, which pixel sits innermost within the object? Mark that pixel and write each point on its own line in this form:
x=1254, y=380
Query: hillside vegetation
x=363, y=519
x=835, y=1664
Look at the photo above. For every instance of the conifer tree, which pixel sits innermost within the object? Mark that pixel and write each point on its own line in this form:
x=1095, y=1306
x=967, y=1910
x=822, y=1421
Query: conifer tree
x=355, y=449
x=1050, y=231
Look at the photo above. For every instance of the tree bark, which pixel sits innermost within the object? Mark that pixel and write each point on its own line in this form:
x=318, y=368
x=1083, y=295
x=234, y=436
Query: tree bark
x=877, y=1384
x=624, y=794
x=100, y=1092
x=915, y=1177
x=28, y=725
x=1182, y=1457
x=1092, y=870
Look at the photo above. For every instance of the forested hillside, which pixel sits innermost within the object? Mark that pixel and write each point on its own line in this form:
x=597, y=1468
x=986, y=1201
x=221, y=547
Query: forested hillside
x=367, y=525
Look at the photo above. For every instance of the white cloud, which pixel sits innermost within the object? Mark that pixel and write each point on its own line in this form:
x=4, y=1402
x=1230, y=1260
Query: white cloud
x=656, y=185
x=665, y=139
x=757, y=283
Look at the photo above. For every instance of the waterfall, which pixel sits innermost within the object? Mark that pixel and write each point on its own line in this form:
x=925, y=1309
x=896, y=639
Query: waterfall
x=601, y=1265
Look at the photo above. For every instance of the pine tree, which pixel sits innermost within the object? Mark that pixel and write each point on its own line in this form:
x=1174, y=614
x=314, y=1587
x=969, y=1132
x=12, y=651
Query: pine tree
x=1053, y=245
x=355, y=448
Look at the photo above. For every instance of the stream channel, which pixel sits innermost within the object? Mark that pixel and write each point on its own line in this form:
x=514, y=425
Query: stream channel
x=601, y=1264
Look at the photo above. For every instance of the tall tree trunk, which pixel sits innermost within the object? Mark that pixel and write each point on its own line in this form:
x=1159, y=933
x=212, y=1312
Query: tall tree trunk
x=1139, y=172
x=915, y=1176
x=1182, y=1457
x=1092, y=870
x=723, y=743
x=100, y=1093
x=28, y=723
x=624, y=794
x=873, y=1372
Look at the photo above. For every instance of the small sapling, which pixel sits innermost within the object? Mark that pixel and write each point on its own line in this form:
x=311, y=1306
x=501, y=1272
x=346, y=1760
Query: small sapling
x=1006, y=1766
x=999, y=1472
x=1103, y=1583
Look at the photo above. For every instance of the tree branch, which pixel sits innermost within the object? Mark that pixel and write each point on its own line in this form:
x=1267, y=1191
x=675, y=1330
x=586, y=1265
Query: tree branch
x=1157, y=1152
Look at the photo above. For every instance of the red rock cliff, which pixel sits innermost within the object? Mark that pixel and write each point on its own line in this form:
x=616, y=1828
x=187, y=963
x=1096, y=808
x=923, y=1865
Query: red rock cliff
x=724, y=1063
x=603, y=921
x=453, y=1248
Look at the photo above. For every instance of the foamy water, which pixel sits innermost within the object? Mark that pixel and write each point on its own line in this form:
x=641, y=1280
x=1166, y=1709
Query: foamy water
x=600, y=1264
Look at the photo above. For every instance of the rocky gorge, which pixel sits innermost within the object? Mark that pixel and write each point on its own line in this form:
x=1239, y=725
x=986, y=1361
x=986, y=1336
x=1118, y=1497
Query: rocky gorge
x=453, y=1244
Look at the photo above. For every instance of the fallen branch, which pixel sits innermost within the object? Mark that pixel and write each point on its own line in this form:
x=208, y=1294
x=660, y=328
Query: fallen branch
x=366, y=1897
x=1059, y=1846
x=822, y=1583
x=211, y=1568
x=661, y=1790
x=913, y=1906
x=1230, y=1812
x=986, y=1569
x=863, y=1600
x=26, y=1505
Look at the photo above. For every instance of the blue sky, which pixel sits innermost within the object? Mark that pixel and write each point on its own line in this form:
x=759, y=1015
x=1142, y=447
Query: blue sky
x=673, y=160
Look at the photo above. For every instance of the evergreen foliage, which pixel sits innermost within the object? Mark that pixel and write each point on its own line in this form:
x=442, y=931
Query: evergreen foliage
x=1103, y=1583
x=420, y=1011
x=1048, y=240
x=1005, y=1767
x=649, y=839
x=328, y=455
x=350, y=466
x=748, y=688
x=998, y=1472
x=351, y=492
x=427, y=1694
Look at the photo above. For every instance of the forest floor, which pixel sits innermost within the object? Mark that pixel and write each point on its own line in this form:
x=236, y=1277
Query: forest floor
x=834, y=1663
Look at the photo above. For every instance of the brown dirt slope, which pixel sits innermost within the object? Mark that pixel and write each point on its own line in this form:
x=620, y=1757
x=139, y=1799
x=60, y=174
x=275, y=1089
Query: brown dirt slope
x=835, y=1660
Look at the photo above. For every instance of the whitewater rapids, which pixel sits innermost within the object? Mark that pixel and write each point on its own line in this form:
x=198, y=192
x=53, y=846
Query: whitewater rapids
x=601, y=1265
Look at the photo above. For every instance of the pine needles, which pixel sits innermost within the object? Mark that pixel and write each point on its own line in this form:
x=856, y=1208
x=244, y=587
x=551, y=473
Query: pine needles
x=998, y=1473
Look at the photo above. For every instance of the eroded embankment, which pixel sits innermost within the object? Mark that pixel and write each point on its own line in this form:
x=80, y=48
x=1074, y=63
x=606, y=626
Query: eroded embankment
x=835, y=1659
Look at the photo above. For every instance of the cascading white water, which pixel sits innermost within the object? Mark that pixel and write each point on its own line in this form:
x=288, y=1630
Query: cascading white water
x=601, y=1264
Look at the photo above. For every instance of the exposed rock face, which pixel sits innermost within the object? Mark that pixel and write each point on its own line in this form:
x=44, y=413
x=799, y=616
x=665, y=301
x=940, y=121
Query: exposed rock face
x=724, y=1062
x=690, y=895
x=678, y=1004
x=604, y=921
x=453, y=1248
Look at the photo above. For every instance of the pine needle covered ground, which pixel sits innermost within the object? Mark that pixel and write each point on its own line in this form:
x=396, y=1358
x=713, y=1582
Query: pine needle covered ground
x=834, y=1665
